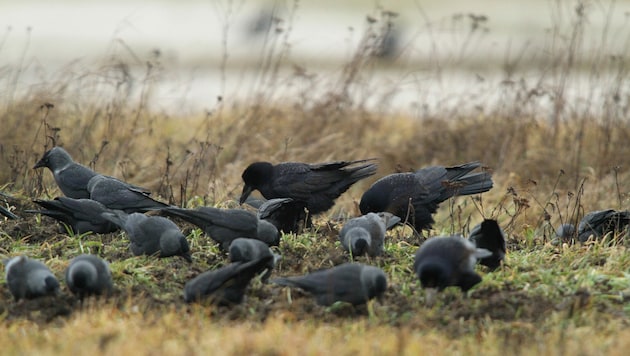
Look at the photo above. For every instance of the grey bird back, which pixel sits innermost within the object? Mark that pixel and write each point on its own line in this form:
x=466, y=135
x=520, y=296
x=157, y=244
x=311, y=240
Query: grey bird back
x=88, y=275
x=28, y=278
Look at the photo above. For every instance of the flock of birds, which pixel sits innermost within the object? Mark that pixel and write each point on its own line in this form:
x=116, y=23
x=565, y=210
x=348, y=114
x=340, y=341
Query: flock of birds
x=295, y=191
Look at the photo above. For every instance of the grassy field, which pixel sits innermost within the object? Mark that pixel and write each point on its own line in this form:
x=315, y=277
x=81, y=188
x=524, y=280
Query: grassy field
x=552, y=161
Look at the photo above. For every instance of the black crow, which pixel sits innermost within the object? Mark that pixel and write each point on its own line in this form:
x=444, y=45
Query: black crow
x=488, y=235
x=414, y=197
x=316, y=184
x=597, y=224
x=286, y=214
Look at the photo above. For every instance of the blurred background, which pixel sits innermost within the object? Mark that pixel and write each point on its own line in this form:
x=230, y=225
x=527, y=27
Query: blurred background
x=426, y=53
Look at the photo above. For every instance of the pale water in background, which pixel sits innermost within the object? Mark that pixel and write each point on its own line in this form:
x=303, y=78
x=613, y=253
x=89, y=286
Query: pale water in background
x=436, y=62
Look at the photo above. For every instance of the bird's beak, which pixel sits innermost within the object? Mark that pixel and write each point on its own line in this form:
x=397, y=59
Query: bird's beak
x=247, y=190
x=187, y=257
x=39, y=164
x=430, y=295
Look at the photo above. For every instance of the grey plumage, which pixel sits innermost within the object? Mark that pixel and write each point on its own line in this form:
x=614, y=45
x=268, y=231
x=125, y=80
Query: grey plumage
x=286, y=214
x=80, y=215
x=88, y=275
x=151, y=235
x=354, y=283
x=118, y=195
x=414, y=197
x=226, y=285
x=71, y=177
x=225, y=225
x=316, y=184
x=365, y=234
x=448, y=261
x=488, y=235
x=28, y=278
x=245, y=250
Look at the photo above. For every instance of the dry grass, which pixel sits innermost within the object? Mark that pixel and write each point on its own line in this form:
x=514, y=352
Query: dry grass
x=550, y=164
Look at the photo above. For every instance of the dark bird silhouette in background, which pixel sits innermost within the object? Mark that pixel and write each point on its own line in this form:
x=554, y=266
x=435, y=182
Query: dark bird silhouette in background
x=286, y=214
x=316, y=184
x=365, y=234
x=597, y=224
x=80, y=215
x=71, y=177
x=4, y=211
x=118, y=195
x=89, y=275
x=245, y=250
x=225, y=225
x=448, y=261
x=488, y=235
x=226, y=285
x=415, y=197
x=353, y=283
x=151, y=235
x=28, y=278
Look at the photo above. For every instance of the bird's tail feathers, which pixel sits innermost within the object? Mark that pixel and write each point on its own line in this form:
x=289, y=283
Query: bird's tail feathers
x=468, y=185
x=117, y=217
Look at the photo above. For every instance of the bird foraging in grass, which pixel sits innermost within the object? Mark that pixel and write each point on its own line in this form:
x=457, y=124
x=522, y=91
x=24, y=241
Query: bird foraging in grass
x=366, y=234
x=316, y=184
x=88, y=275
x=80, y=215
x=226, y=285
x=415, y=196
x=442, y=262
x=28, y=278
x=151, y=235
x=225, y=225
x=118, y=195
x=245, y=250
x=353, y=283
x=596, y=224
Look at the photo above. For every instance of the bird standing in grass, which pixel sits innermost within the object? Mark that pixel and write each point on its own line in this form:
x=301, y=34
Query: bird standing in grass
x=365, y=234
x=28, y=278
x=71, y=177
x=353, y=283
x=225, y=225
x=80, y=215
x=226, y=285
x=597, y=224
x=118, y=195
x=448, y=261
x=245, y=250
x=151, y=235
x=316, y=184
x=88, y=275
x=415, y=196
